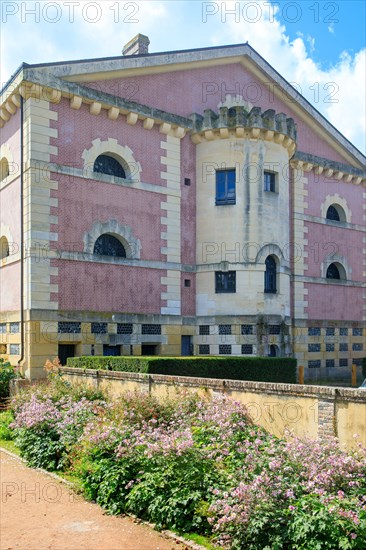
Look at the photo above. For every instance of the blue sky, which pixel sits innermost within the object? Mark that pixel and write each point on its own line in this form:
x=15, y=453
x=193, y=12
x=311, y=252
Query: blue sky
x=319, y=45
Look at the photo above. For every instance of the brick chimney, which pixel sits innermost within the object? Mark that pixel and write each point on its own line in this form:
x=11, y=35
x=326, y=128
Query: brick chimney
x=137, y=46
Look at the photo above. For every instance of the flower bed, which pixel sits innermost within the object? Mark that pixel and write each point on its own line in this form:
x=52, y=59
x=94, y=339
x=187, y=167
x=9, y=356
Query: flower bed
x=195, y=465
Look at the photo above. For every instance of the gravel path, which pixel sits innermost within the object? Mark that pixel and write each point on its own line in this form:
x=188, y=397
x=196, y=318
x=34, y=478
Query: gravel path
x=39, y=512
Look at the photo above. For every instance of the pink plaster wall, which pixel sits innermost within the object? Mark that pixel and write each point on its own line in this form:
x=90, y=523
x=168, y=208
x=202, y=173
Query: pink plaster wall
x=10, y=287
x=334, y=302
x=10, y=211
x=188, y=294
x=106, y=287
x=10, y=134
x=319, y=187
x=78, y=128
x=188, y=202
x=325, y=240
x=82, y=202
x=187, y=91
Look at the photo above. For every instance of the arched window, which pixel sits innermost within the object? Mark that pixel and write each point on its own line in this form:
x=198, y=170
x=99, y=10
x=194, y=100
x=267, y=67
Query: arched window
x=105, y=164
x=333, y=272
x=108, y=245
x=273, y=351
x=270, y=275
x=336, y=213
x=4, y=248
x=4, y=168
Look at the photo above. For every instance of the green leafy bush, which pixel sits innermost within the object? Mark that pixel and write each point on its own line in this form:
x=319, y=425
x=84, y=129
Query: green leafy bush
x=7, y=373
x=265, y=369
x=364, y=367
x=6, y=418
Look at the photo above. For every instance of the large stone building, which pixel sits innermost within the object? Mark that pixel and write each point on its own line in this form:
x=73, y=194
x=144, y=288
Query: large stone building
x=176, y=203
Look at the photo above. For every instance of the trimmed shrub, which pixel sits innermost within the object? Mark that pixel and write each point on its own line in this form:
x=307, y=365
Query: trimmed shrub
x=364, y=367
x=259, y=369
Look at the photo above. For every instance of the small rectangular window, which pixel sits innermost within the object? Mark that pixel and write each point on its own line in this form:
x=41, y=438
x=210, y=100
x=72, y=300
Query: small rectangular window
x=274, y=329
x=357, y=331
x=343, y=362
x=151, y=329
x=224, y=349
x=247, y=349
x=329, y=331
x=187, y=181
x=313, y=348
x=14, y=328
x=2, y=328
x=204, y=330
x=357, y=362
x=314, y=331
x=329, y=347
x=225, y=187
x=343, y=331
x=224, y=329
x=314, y=364
x=343, y=347
x=69, y=327
x=124, y=328
x=99, y=328
x=357, y=347
x=270, y=181
x=247, y=329
x=329, y=363
x=204, y=349
x=14, y=349
x=187, y=283
x=225, y=281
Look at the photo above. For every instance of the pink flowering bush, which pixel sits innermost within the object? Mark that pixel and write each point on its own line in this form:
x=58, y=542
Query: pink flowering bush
x=194, y=464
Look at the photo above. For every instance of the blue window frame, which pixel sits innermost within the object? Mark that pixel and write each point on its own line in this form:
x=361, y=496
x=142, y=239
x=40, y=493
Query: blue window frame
x=225, y=281
x=270, y=182
x=225, y=187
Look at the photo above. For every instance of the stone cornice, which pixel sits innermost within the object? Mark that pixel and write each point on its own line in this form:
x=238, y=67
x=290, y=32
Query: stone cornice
x=329, y=168
x=241, y=123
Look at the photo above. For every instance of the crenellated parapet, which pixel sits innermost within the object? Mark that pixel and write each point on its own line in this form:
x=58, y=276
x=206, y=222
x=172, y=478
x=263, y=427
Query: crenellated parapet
x=239, y=122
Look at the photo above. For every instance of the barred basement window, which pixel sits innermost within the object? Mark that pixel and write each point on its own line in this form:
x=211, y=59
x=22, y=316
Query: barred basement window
x=357, y=331
x=314, y=331
x=204, y=349
x=124, y=328
x=224, y=349
x=343, y=362
x=151, y=329
x=247, y=349
x=99, y=328
x=68, y=327
x=343, y=347
x=14, y=349
x=247, y=329
x=343, y=332
x=204, y=330
x=329, y=347
x=274, y=329
x=14, y=328
x=2, y=328
x=314, y=364
x=357, y=347
x=224, y=329
x=330, y=363
x=313, y=348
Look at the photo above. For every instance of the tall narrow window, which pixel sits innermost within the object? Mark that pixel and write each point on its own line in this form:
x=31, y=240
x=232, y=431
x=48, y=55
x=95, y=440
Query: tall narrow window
x=107, y=245
x=270, y=276
x=225, y=187
x=270, y=182
x=105, y=164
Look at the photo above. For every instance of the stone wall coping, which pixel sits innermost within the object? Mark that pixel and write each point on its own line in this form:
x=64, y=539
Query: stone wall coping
x=329, y=393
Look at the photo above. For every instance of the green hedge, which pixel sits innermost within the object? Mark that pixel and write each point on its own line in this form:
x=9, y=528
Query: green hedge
x=364, y=367
x=260, y=369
